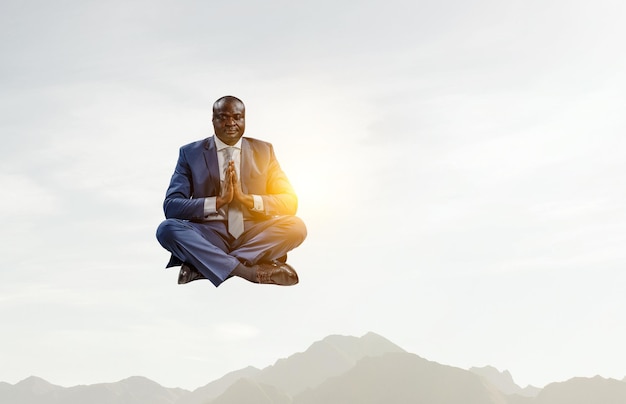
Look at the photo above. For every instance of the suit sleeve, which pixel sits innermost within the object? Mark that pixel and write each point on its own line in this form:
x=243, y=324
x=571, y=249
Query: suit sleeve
x=179, y=203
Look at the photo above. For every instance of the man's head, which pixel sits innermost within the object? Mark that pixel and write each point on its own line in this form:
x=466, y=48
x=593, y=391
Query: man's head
x=229, y=119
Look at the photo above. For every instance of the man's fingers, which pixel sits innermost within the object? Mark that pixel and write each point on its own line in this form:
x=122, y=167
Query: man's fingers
x=232, y=173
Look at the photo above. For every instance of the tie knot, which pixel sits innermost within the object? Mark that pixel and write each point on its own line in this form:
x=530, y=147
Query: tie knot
x=229, y=153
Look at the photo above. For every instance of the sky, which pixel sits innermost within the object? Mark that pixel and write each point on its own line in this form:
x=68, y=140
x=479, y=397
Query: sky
x=459, y=165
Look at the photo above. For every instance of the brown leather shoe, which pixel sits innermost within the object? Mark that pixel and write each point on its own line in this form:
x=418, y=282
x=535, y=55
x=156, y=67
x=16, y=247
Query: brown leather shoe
x=276, y=273
x=188, y=273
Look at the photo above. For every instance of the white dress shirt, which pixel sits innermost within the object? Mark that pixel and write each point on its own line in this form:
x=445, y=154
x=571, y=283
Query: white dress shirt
x=210, y=203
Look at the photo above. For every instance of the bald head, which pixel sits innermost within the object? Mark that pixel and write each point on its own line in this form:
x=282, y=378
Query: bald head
x=227, y=99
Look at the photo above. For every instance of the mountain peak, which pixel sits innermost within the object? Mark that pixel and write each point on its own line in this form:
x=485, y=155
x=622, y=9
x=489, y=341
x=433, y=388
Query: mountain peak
x=140, y=382
x=503, y=381
x=325, y=358
x=36, y=385
x=370, y=344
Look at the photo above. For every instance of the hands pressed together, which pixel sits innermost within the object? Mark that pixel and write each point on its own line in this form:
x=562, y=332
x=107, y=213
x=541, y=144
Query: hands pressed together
x=233, y=191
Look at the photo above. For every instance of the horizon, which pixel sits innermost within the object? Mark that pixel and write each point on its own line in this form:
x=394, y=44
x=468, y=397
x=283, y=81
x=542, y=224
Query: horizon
x=279, y=360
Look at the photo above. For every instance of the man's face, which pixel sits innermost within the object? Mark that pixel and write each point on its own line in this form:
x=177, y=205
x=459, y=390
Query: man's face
x=229, y=121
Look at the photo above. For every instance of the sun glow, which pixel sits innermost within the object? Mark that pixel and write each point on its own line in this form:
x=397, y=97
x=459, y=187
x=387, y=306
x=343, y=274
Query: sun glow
x=308, y=186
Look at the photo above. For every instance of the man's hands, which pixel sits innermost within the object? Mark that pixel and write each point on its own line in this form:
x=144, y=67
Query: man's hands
x=233, y=190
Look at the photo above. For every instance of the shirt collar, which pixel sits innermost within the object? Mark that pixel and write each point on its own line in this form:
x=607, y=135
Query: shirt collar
x=221, y=145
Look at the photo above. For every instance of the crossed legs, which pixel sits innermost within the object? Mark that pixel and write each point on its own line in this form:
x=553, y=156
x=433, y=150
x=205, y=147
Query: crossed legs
x=210, y=249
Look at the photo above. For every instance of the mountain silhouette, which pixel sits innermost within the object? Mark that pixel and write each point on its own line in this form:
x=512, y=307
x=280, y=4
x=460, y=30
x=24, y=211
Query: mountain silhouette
x=250, y=391
x=403, y=378
x=581, y=390
x=134, y=390
x=215, y=388
x=32, y=390
x=329, y=357
x=336, y=369
x=504, y=381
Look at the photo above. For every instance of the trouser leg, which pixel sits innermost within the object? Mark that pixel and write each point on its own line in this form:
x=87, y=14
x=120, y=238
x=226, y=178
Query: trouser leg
x=203, y=245
x=269, y=239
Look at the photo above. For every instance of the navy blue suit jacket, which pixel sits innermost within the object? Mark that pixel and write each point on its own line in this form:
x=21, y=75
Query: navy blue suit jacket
x=197, y=176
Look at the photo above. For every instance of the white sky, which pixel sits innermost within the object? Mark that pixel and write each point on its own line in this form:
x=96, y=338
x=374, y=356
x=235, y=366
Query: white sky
x=493, y=131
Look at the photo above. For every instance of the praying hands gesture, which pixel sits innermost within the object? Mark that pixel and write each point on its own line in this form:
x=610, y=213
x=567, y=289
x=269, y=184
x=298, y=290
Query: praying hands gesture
x=233, y=190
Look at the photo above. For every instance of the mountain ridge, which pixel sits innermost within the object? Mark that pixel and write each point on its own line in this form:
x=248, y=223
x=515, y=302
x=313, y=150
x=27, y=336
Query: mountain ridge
x=504, y=381
x=336, y=369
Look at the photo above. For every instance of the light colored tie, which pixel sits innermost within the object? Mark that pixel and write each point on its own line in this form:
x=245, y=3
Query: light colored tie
x=235, y=215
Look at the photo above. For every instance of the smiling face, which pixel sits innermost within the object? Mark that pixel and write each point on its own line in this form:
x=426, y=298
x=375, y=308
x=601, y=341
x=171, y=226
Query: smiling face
x=229, y=119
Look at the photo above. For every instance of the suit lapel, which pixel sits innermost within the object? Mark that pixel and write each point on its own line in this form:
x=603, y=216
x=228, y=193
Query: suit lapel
x=210, y=157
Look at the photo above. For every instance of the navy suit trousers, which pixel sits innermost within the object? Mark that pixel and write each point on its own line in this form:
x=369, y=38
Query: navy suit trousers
x=209, y=248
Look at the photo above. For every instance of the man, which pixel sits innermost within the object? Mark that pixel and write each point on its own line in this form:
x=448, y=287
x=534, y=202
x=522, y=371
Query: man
x=230, y=208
